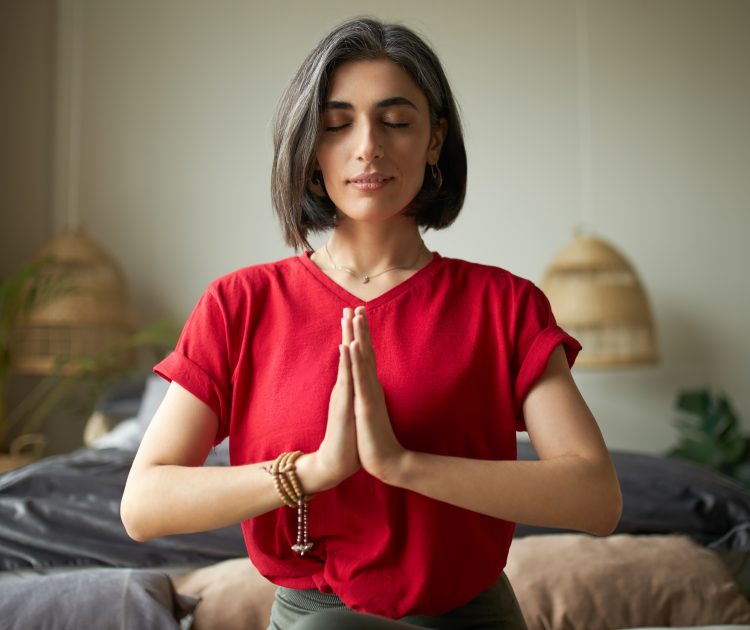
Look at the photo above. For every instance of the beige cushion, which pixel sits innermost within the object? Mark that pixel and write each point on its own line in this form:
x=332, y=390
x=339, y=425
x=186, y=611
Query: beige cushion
x=233, y=596
x=572, y=581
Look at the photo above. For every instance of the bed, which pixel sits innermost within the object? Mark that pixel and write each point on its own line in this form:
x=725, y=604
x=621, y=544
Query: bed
x=680, y=556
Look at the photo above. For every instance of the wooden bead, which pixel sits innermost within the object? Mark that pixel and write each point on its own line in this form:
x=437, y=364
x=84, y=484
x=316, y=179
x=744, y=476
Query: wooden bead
x=287, y=494
x=288, y=489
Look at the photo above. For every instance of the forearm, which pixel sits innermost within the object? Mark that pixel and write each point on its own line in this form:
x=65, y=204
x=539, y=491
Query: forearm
x=167, y=499
x=566, y=492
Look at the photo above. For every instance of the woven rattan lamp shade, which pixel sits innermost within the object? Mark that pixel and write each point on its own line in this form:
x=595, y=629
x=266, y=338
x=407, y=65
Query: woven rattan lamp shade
x=92, y=312
x=597, y=297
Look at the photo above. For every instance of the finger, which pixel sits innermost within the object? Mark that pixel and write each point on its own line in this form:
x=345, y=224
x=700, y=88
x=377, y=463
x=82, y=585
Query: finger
x=341, y=375
x=366, y=322
x=345, y=371
x=362, y=333
x=344, y=361
x=355, y=352
x=357, y=328
x=360, y=313
x=347, y=332
x=363, y=368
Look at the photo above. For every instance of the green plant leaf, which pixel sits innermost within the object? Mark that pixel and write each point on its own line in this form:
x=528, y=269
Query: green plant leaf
x=697, y=451
x=710, y=434
x=735, y=449
x=695, y=402
x=741, y=472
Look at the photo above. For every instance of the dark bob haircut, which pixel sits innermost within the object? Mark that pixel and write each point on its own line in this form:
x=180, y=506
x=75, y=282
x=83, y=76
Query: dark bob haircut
x=297, y=125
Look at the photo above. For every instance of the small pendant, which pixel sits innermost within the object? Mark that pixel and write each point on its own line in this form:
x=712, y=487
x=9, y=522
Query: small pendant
x=301, y=549
x=365, y=279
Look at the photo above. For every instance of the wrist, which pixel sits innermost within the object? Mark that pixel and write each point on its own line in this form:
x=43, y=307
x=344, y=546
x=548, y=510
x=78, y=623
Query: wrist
x=309, y=475
x=396, y=472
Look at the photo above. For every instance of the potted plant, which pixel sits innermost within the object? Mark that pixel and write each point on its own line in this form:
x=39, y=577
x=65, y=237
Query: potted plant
x=710, y=434
x=19, y=294
x=73, y=382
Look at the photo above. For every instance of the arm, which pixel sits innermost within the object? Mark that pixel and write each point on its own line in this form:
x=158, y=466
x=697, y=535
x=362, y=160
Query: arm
x=169, y=491
x=573, y=485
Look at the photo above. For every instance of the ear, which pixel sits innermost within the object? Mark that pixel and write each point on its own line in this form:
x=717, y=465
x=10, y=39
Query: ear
x=315, y=183
x=437, y=137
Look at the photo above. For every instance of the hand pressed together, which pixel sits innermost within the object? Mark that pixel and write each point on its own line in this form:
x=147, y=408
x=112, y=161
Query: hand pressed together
x=359, y=431
x=379, y=449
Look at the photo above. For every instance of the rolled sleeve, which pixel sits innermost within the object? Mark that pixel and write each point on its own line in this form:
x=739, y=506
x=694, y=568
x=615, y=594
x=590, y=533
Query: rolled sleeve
x=537, y=335
x=199, y=362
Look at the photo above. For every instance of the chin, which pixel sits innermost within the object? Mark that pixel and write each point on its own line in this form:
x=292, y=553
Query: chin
x=373, y=210
x=374, y=216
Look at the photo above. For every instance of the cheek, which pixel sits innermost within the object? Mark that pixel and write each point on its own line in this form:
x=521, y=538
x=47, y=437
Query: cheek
x=413, y=158
x=413, y=148
x=416, y=179
x=331, y=161
x=321, y=157
x=327, y=149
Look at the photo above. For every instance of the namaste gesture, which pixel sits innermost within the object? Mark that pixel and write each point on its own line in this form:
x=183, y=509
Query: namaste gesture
x=359, y=431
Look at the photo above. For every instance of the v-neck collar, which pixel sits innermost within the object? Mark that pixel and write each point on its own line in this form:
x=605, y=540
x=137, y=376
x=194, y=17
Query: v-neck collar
x=350, y=298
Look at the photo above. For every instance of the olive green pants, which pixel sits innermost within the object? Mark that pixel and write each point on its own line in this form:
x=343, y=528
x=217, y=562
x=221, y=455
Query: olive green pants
x=494, y=609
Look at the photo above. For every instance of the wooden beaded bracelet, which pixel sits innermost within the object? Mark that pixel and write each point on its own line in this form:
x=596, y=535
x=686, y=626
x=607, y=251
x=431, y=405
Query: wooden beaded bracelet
x=282, y=470
x=289, y=489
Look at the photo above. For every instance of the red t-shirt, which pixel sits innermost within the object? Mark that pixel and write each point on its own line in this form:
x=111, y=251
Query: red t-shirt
x=458, y=346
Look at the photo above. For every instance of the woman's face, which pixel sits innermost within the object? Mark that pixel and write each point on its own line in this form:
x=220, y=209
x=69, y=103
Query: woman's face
x=375, y=139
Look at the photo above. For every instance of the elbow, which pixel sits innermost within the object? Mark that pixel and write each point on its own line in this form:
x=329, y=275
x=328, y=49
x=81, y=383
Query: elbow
x=600, y=511
x=131, y=525
x=136, y=527
x=607, y=511
x=606, y=523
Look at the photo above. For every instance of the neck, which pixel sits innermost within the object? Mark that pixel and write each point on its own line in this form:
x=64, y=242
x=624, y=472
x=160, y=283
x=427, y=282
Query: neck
x=368, y=248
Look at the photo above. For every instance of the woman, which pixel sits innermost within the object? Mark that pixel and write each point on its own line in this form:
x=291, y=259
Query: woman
x=400, y=375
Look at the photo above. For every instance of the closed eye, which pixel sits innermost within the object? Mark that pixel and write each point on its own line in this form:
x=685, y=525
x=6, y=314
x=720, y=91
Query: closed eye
x=338, y=127
x=335, y=128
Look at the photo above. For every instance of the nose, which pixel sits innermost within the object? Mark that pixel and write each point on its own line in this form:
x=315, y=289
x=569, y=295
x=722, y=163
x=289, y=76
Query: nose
x=369, y=142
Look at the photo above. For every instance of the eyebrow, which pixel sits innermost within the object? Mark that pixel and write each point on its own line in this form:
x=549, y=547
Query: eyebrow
x=388, y=102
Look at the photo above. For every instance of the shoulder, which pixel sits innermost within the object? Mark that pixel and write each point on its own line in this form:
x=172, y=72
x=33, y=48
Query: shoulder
x=253, y=279
x=234, y=295
x=484, y=277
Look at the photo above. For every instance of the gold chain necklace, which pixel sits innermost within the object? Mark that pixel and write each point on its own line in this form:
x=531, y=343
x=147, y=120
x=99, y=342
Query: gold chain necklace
x=367, y=277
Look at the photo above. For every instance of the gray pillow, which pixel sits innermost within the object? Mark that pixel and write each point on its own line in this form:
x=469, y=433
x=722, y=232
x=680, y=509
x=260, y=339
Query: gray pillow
x=120, y=599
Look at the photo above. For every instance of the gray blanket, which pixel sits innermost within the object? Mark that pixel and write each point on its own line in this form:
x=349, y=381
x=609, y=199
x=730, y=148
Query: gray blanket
x=64, y=511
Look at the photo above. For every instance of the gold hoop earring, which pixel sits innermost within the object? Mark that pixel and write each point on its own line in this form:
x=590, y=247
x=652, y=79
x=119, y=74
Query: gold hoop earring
x=437, y=176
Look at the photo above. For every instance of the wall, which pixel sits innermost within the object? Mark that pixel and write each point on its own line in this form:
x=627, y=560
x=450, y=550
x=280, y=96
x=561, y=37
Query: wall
x=175, y=157
x=26, y=77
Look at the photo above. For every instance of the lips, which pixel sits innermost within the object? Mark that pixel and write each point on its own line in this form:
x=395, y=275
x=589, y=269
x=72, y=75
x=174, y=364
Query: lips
x=370, y=178
x=370, y=182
